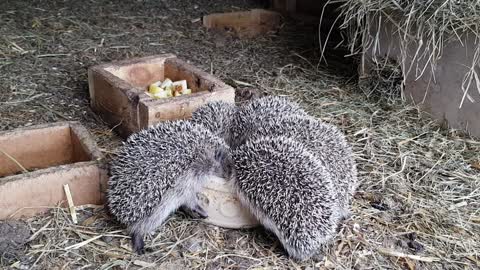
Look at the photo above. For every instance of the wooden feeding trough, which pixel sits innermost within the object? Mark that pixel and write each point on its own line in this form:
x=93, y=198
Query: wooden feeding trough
x=437, y=91
x=117, y=91
x=296, y=7
x=53, y=155
x=244, y=23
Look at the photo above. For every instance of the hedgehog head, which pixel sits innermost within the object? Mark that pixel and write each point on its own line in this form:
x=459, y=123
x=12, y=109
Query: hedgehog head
x=214, y=160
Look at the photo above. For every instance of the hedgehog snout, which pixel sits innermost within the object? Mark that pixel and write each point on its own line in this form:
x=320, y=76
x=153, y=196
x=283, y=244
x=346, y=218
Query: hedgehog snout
x=222, y=164
x=214, y=161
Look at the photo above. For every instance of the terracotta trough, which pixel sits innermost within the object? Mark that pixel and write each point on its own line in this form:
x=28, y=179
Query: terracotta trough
x=53, y=155
x=438, y=92
x=244, y=23
x=117, y=91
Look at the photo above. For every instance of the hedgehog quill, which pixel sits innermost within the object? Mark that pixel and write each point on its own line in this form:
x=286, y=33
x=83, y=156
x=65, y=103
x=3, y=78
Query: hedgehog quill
x=326, y=141
x=269, y=108
x=217, y=117
x=159, y=170
x=289, y=191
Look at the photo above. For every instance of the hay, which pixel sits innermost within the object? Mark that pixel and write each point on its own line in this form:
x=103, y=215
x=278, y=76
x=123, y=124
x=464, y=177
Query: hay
x=416, y=208
x=420, y=186
x=384, y=82
x=426, y=25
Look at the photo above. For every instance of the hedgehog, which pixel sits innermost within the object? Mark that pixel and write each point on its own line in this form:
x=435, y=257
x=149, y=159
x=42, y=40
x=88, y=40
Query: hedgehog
x=159, y=170
x=289, y=191
x=326, y=141
x=217, y=117
x=265, y=109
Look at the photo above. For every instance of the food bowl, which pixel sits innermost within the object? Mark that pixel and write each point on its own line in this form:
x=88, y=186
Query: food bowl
x=223, y=207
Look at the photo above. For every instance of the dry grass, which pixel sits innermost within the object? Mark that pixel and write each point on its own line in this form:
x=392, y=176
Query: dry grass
x=384, y=82
x=424, y=26
x=417, y=206
x=420, y=184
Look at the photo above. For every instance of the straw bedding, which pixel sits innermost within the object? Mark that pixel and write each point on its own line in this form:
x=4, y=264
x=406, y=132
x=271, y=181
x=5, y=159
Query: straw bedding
x=424, y=27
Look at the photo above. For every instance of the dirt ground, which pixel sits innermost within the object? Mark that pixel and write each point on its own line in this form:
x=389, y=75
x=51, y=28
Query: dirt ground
x=417, y=206
x=13, y=237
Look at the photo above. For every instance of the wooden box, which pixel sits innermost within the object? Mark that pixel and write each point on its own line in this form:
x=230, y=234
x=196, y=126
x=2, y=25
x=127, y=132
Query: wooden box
x=437, y=91
x=244, y=23
x=54, y=155
x=117, y=91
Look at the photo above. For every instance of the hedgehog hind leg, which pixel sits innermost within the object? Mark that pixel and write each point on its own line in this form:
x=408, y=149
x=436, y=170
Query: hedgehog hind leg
x=149, y=224
x=137, y=243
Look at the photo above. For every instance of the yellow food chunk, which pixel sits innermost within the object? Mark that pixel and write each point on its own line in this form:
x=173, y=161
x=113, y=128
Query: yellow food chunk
x=186, y=91
x=166, y=83
x=154, y=89
x=169, y=92
x=162, y=94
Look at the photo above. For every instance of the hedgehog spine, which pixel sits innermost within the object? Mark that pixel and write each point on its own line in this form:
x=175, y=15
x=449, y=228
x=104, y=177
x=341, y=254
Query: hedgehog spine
x=143, y=193
x=295, y=201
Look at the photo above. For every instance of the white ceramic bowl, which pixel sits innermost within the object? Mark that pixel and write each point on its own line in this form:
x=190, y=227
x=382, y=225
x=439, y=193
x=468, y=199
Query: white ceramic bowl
x=223, y=207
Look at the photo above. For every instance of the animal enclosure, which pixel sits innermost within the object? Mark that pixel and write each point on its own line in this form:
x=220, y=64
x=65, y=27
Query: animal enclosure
x=436, y=46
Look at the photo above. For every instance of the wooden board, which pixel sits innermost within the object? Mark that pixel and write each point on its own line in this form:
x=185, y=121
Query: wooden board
x=244, y=23
x=54, y=154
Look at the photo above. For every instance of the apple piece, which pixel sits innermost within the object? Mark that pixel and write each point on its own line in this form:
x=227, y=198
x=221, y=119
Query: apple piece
x=179, y=85
x=166, y=83
x=154, y=89
x=169, y=92
x=162, y=94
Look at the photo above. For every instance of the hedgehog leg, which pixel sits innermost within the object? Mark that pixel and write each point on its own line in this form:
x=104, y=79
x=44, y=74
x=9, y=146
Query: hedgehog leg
x=152, y=222
x=138, y=243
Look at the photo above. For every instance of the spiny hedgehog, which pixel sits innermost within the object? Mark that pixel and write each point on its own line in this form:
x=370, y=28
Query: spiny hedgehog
x=217, y=117
x=161, y=169
x=289, y=191
x=324, y=140
x=265, y=109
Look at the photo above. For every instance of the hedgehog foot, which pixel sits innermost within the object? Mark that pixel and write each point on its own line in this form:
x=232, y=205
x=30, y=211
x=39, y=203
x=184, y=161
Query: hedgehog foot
x=138, y=244
x=195, y=211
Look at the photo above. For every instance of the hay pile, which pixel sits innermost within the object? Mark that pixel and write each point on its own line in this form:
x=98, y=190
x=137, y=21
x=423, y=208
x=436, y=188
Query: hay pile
x=416, y=208
x=426, y=25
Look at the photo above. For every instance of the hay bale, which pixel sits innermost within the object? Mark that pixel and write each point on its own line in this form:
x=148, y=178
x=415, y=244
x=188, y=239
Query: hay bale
x=428, y=26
